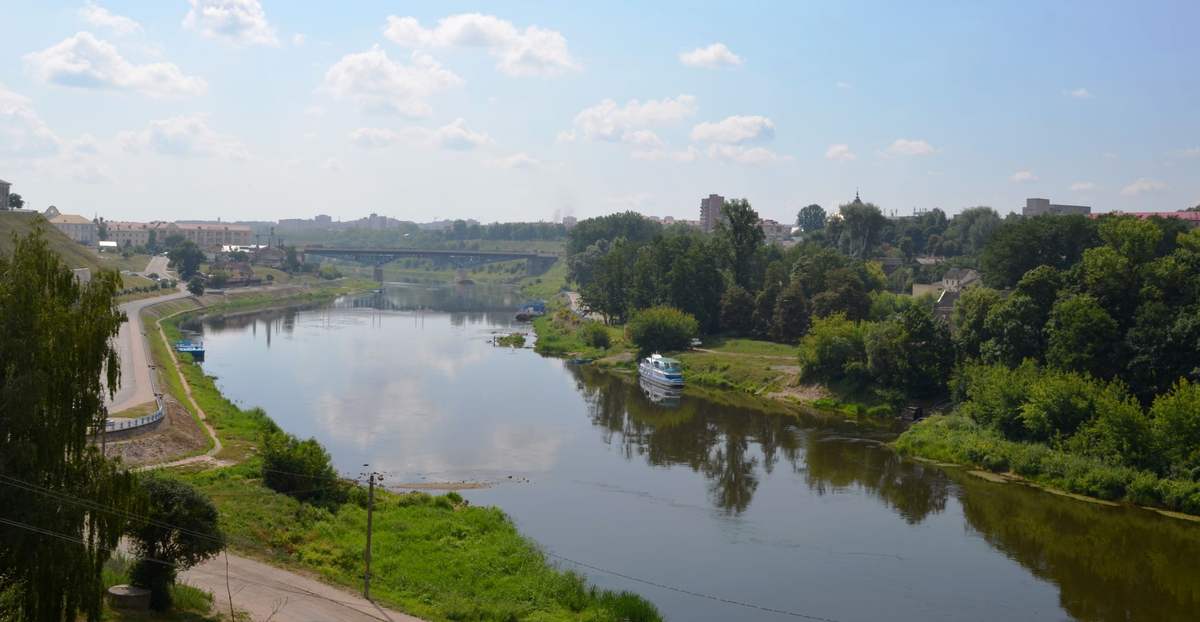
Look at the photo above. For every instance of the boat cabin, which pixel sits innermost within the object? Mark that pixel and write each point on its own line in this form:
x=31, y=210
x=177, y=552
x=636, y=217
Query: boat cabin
x=663, y=364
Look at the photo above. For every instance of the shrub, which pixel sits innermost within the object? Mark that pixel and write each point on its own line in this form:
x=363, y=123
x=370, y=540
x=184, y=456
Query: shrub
x=329, y=272
x=270, y=278
x=594, y=334
x=442, y=503
x=300, y=468
x=414, y=499
x=660, y=329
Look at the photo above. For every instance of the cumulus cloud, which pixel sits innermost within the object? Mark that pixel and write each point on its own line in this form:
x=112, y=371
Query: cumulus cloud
x=1144, y=186
x=372, y=137
x=331, y=164
x=738, y=154
x=609, y=122
x=537, y=52
x=86, y=62
x=841, y=153
x=1080, y=93
x=316, y=111
x=378, y=84
x=456, y=137
x=182, y=137
x=1082, y=186
x=641, y=199
x=1185, y=153
x=910, y=147
x=1023, y=176
x=1108, y=155
x=99, y=16
x=845, y=85
x=298, y=39
x=686, y=156
x=735, y=130
x=22, y=132
x=714, y=56
x=517, y=160
x=234, y=22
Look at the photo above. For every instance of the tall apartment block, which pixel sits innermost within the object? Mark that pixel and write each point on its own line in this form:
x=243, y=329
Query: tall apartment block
x=710, y=212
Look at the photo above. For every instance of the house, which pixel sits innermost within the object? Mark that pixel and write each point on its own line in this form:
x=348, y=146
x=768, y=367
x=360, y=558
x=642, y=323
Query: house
x=955, y=280
x=128, y=233
x=890, y=264
x=204, y=235
x=4, y=186
x=774, y=232
x=75, y=227
x=240, y=272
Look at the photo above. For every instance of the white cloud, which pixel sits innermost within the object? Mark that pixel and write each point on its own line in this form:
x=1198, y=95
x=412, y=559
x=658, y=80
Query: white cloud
x=1185, y=153
x=86, y=62
x=118, y=24
x=538, y=52
x=841, y=153
x=234, y=22
x=184, y=137
x=686, y=156
x=372, y=137
x=642, y=199
x=379, y=84
x=1023, y=176
x=22, y=132
x=316, y=111
x=910, y=147
x=610, y=122
x=1108, y=155
x=1082, y=186
x=642, y=139
x=714, y=56
x=456, y=137
x=735, y=130
x=331, y=164
x=845, y=85
x=1144, y=186
x=1080, y=93
x=736, y=154
x=299, y=38
x=517, y=160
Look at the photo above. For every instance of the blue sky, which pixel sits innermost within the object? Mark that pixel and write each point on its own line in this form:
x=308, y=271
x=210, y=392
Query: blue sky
x=262, y=110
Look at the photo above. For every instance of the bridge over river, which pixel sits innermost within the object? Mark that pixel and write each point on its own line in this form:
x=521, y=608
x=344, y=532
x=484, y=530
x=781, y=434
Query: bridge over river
x=535, y=262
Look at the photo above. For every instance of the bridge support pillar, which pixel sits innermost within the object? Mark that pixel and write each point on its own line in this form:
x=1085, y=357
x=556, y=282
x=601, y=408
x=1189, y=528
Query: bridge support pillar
x=379, y=273
x=462, y=276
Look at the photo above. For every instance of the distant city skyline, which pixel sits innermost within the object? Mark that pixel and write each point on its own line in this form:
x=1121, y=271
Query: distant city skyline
x=267, y=110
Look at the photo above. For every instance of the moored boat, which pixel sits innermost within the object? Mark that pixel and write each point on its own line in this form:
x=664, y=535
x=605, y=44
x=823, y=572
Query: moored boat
x=662, y=371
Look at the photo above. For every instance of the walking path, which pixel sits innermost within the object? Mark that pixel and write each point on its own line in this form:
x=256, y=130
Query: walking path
x=135, y=388
x=258, y=589
x=575, y=298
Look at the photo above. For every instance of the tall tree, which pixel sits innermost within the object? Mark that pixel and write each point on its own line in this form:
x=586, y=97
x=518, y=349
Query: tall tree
x=811, y=218
x=738, y=238
x=1084, y=338
x=15, y=201
x=792, y=314
x=737, y=311
x=186, y=258
x=845, y=294
x=864, y=224
x=180, y=527
x=56, y=347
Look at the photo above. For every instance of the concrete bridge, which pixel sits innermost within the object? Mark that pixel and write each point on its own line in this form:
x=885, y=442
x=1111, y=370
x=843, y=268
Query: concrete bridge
x=535, y=262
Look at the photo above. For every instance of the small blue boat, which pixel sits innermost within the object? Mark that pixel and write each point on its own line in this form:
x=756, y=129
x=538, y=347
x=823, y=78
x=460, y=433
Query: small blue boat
x=195, y=348
x=661, y=371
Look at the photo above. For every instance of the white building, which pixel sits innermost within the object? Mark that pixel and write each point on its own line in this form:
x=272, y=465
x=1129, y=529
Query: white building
x=75, y=227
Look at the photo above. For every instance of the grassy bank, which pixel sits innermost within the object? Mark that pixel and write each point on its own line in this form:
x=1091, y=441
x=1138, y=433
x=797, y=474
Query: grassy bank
x=436, y=557
x=958, y=439
x=191, y=604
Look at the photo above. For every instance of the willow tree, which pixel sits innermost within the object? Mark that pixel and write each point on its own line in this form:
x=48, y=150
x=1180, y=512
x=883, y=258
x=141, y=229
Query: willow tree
x=62, y=504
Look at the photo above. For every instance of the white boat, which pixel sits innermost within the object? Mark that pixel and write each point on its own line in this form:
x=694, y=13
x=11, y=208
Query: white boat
x=661, y=371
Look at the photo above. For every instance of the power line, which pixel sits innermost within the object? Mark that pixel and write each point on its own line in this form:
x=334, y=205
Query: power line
x=691, y=593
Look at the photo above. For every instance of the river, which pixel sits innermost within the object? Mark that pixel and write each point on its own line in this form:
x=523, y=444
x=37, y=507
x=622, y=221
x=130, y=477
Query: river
x=715, y=493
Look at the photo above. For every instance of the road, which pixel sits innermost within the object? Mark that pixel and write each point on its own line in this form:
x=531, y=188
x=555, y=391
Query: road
x=258, y=589
x=575, y=299
x=135, y=387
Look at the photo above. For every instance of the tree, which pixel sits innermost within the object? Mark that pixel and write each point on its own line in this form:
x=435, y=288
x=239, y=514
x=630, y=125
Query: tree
x=737, y=311
x=609, y=292
x=811, y=218
x=1083, y=337
x=863, y=227
x=152, y=241
x=629, y=225
x=15, y=201
x=101, y=227
x=662, y=329
x=1015, y=248
x=186, y=258
x=196, y=286
x=218, y=279
x=302, y=469
x=845, y=294
x=792, y=314
x=738, y=237
x=239, y=255
x=173, y=240
x=180, y=527
x=908, y=248
x=834, y=351
x=56, y=358
x=459, y=229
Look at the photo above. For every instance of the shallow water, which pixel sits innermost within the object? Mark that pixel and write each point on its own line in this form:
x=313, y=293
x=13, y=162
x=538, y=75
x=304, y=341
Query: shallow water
x=715, y=493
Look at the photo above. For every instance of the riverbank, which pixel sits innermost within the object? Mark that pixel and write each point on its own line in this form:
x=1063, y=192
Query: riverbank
x=957, y=440
x=437, y=557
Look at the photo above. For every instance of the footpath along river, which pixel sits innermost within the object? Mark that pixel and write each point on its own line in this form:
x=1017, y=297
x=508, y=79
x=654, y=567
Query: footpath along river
x=712, y=493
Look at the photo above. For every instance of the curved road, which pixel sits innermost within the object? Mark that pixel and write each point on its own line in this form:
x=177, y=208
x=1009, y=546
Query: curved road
x=135, y=387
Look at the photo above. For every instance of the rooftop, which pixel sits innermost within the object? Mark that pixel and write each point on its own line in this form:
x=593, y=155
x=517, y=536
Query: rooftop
x=70, y=219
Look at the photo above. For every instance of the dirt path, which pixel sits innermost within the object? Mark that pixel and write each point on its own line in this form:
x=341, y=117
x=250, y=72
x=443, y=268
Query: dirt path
x=259, y=589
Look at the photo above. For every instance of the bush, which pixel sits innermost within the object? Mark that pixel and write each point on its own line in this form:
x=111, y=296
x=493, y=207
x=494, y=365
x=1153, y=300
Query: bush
x=594, y=334
x=329, y=272
x=661, y=329
x=302, y=469
x=270, y=277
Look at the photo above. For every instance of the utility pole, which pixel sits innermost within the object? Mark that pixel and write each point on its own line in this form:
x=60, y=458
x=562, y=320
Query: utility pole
x=370, y=510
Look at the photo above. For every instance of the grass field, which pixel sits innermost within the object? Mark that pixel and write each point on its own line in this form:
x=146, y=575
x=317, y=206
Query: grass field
x=135, y=263
x=24, y=223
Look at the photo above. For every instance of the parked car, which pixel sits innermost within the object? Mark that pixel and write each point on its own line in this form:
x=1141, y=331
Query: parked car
x=696, y=343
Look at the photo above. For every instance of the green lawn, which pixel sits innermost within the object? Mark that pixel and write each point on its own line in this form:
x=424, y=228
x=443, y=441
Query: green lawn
x=135, y=263
x=23, y=223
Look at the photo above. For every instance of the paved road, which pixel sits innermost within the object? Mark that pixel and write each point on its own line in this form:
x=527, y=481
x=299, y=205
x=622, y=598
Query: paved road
x=135, y=387
x=258, y=588
x=575, y=299
x=157, y=265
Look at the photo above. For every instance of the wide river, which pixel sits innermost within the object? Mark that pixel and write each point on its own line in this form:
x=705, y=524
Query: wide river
x=717, y=494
